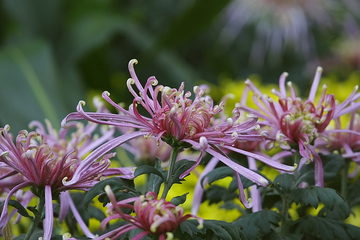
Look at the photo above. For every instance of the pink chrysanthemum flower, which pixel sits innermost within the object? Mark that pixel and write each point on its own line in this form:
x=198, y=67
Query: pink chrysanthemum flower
x=345, y=141
x=179, y=121
x=153, y=216
x=43, y=169
x=295, y=123
x=46, y=159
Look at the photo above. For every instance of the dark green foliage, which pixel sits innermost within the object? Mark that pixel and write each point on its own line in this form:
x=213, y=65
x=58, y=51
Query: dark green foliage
x=325, y=228
x=20, y=209
x=147, y=169
x=313, y=196
x=284, y=182
x=179, y=199
x=332, y=164
x=217, y=194
x=126, y=186
x=211, y=230
x=258, y=224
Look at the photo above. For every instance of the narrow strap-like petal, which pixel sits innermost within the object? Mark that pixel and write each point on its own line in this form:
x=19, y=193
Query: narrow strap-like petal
x=49, y=217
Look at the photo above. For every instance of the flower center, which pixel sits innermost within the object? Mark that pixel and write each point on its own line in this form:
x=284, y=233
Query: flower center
x=182, y=117
x=299, y=121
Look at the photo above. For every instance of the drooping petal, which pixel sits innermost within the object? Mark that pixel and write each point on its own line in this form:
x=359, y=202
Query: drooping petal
x=97, y=153
x=49, y=217
x=198, y=191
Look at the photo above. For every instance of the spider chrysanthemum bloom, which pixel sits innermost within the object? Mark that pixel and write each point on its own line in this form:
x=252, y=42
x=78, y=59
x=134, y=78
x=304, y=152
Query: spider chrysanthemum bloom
x=345, y=140
x=180, y=121
x=46, y=158
x=153, y=216
x=295, y=123
x=43, y=169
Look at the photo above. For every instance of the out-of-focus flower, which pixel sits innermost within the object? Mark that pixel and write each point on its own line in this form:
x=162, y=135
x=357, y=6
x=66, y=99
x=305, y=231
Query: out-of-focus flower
x=344, y=140
x=179, y=121
x=146, y=150
x=280, y=24
x=153, y=216
x=347, y=53
x=295, y=123
x=8, y=178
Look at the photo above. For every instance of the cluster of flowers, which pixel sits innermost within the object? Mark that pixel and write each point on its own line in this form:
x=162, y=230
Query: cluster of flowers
x=77, y=157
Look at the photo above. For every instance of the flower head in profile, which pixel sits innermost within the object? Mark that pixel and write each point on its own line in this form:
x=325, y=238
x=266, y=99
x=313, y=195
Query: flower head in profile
x=344, y=140
x=180, y=121
x=153, y=216
x=295, y=123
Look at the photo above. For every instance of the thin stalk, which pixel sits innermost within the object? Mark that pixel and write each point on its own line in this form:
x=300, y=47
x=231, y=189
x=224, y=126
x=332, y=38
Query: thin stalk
x=344, y=178
x=169, y=178
x=40, y=208
x=286, y=199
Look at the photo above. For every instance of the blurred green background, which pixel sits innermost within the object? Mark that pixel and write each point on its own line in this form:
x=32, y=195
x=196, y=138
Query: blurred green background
x=54, y=53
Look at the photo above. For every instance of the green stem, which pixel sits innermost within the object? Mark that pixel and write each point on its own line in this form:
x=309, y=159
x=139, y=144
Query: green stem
x=286, y=199
x=344, y=178
x=40, y=208
x=285, y=215
x=297, y=158
x=169, y=178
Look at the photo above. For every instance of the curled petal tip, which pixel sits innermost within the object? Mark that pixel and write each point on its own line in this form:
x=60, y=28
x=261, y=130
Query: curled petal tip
x=107, y=189
x=285, y=74
x=203, y=143
x=295, y=166
x=4, y=153
x=264, y=182
x=64, y=181
x=133, y=62
x=82, y=103
x=66, y=236
x=130, y=81
x=319, y=69
x=106, y=93
x=250, y=202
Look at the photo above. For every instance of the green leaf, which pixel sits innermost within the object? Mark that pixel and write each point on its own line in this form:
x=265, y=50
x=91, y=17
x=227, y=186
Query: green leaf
x=314, y=195
x=332, y=164
x=353, y=193
x=258, y=224
x=34, y=210
x=147, y=169
x=325, y=228
x=181, y=166
x=187, y=227
x=179, y=199
x=223, y=230
x=154, y=182
x=211, y=229
x=218, y=173
x=284, y=182
x=217, y=194
x=20, y=208
x=115, y=183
